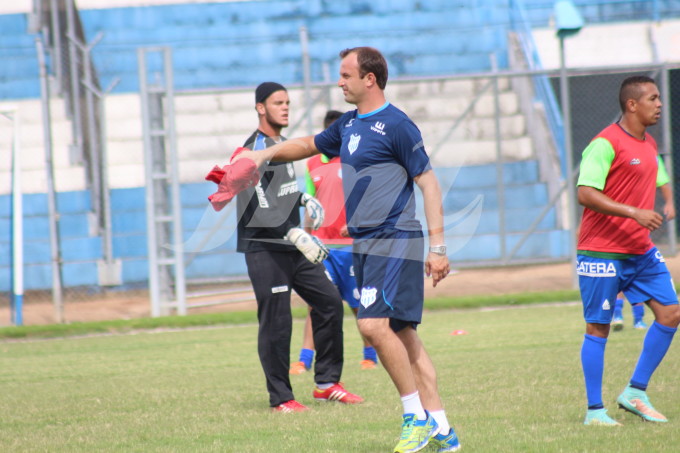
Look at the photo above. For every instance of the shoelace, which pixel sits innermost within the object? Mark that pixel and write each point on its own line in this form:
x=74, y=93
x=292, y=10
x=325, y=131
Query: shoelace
x=407, y=428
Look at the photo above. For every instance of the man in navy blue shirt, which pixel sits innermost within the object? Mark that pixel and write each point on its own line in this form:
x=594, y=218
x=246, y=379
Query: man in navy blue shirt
x=382, y=156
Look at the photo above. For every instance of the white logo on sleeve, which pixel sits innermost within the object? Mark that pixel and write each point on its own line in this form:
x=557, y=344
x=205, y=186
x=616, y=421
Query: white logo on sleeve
x=279, y=289
x=368, y=296
x=605, y=305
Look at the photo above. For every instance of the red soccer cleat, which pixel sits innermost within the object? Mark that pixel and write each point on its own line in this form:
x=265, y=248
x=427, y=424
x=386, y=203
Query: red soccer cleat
x=290, y=406
x=337, y=392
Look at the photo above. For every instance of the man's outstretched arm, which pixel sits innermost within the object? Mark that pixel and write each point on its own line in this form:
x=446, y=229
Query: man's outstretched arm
x=288, y=151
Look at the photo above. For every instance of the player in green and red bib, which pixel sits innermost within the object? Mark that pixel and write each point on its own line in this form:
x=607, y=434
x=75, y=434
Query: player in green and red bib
x=620, y=172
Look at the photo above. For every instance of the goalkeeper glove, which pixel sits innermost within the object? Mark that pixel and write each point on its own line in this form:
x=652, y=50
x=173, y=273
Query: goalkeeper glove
x=314, y=210
x=310, y=246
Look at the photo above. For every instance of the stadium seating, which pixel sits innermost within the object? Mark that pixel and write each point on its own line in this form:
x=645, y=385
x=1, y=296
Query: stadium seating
x=221, y=46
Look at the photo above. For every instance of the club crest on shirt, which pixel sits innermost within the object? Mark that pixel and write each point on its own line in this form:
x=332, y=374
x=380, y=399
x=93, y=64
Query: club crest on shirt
x=368, y=296
x=353, y=143
x=635, y=161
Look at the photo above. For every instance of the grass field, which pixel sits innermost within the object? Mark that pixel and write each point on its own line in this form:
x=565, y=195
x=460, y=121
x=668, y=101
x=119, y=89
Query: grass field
x=513, y=384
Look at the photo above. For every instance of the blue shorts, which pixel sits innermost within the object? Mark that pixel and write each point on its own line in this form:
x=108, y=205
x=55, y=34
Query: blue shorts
x=340, y=269
x=389, y=273
x=641, y=278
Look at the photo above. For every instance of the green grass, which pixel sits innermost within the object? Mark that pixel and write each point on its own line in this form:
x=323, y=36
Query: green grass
x=513, y=384
x=243, y=317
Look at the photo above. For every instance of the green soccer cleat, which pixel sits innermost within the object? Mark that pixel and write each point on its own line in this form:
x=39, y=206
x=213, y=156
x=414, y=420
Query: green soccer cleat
x=415, y=434
x=636, y=402
x=445, y=442
x=599, y=417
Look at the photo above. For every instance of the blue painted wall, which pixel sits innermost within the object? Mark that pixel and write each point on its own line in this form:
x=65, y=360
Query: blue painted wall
x=475, y=239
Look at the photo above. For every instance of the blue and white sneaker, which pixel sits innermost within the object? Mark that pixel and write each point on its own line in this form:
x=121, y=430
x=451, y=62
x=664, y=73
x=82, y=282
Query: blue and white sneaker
x=640, y=325
x=445, y=442
x=415, y=434
x=636, y=402
x=599, y=417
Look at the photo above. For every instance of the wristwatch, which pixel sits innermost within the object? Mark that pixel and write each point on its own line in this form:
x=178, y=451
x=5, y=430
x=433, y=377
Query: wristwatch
x=438, y=250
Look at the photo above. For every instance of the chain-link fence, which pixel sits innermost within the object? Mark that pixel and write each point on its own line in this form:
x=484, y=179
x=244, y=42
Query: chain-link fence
x=504, y=130
x=493, y=155
x=594, y=104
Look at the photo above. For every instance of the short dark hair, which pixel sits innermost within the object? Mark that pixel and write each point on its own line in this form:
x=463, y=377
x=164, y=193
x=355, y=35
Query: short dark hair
x=370, y=60
x=330, y=118
x=630, y=89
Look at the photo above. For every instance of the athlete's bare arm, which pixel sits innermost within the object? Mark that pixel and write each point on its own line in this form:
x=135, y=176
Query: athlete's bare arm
x=287, y=151
x=597, y=201
x=435, y=265
x=669, y=205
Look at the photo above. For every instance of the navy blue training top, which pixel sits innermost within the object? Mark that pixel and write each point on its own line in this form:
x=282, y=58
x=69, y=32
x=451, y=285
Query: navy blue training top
x=381, y=152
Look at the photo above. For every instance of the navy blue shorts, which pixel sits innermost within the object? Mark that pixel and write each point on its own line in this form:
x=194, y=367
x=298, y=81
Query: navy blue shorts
x=340, y=268
x=641, y=278
x=389, y=274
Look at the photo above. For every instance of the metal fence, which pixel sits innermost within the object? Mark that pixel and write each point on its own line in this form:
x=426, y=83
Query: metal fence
x=593, y=102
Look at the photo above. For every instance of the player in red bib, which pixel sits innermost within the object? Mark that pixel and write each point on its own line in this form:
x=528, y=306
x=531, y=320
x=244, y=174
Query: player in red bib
x=620, y=172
